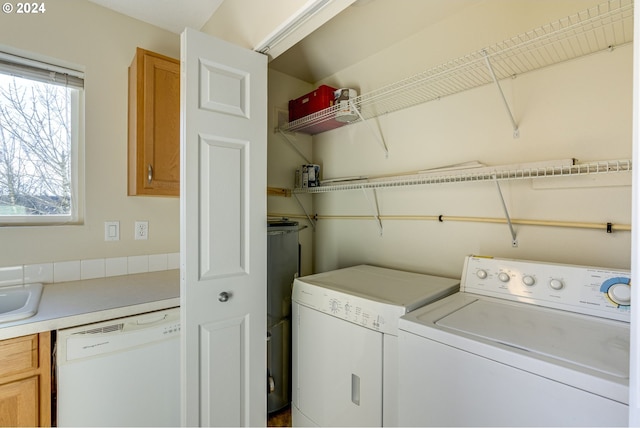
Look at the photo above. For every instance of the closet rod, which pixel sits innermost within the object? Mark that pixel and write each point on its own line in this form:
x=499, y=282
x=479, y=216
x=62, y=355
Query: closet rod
x=444, y=218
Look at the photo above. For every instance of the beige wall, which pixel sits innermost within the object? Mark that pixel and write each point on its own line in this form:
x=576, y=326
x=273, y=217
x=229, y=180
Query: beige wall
x=282, y=159
x=580, y=109
x=103, y=43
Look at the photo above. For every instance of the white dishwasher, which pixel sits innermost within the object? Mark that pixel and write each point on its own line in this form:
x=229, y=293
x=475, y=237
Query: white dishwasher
x=122, y=372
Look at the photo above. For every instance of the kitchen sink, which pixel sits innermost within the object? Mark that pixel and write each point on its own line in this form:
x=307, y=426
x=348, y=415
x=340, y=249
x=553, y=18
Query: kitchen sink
x=19, y=301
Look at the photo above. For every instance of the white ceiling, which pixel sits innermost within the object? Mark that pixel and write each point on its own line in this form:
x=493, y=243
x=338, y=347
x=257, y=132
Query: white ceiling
x=361, y=30
x=172, y=15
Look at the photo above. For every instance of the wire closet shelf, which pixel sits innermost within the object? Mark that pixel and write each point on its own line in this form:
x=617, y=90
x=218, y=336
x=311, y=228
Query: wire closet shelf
x=497, y=173
x=593, y=30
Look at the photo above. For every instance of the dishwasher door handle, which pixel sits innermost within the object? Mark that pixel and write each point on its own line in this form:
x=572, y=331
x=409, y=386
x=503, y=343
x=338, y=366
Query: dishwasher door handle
x=151, y=320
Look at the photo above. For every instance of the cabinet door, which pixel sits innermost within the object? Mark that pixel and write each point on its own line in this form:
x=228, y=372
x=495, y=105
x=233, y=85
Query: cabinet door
x=25, y=381
x=154, y=125
x=19, y=403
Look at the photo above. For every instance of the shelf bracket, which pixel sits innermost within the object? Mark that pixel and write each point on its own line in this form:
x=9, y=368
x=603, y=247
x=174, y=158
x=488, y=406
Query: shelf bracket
x=516, y=131
x=514, y=240
x=293, y=146
x=311, y=220
x=378, y=135
x=374, y=207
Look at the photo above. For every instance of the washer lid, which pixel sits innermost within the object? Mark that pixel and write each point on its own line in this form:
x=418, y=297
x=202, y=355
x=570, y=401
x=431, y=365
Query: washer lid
x=595, y=343
x=387, y=286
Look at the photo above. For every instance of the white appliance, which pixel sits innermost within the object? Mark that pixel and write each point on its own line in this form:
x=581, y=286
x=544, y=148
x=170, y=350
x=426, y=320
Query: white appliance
x=345, y=327
x=123, y=372
x=522, y=344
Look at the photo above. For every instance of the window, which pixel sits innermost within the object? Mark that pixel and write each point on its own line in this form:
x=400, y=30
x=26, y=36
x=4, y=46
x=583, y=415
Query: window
x=40, y=130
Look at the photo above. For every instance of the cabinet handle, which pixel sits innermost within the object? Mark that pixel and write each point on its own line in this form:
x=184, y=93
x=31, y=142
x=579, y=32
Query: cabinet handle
x=149, y=173
x=224, y=296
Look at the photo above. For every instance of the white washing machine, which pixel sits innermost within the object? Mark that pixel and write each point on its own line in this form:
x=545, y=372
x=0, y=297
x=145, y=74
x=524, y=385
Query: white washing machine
x=522, y=344
x=345, y=327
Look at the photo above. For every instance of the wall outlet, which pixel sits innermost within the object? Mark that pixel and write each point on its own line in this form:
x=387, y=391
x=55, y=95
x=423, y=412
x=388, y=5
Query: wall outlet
x=142, y=230
x=111, y=230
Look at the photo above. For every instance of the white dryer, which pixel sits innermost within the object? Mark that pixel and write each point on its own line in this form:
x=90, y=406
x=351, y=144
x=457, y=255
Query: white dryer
x=345, y=327
x=522, y=344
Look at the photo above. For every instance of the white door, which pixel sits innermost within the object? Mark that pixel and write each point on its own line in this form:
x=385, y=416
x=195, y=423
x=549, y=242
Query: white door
x=223, y=232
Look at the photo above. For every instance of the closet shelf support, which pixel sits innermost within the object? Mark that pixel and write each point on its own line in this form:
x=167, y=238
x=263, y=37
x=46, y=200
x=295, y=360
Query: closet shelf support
x=378, y=135
x=311, y=220
x=293, y=146
x=514, y=240
x=516, y=131
x=374, y=207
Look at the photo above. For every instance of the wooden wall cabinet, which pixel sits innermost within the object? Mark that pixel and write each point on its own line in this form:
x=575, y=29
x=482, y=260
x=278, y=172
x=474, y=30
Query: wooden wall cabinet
x=154, y=125
x=25, y=381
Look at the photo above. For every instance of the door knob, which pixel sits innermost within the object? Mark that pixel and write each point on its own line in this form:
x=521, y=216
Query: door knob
x=224, y=296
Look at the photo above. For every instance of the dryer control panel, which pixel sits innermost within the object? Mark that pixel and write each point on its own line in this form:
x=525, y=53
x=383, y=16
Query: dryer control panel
x=354, y=309
x=370, y=296
x=583, y=289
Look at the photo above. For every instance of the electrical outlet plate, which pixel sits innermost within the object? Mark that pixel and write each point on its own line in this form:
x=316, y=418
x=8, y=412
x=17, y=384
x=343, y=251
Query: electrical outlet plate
x=141, y=230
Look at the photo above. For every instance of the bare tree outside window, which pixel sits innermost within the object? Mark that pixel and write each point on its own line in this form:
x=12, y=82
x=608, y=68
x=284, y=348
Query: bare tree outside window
x=35, y=148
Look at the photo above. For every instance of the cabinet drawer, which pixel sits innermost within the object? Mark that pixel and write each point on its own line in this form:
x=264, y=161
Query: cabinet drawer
x=18, y=355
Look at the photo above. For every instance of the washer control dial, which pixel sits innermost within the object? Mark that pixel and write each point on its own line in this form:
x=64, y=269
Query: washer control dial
x=504, y=277
x=620, y=294
x=618, y=290
x=528, y=280
x=556, y=284
x=482, y=274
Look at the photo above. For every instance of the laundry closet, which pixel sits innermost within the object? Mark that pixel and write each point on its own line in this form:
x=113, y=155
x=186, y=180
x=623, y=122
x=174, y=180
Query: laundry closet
x=497, y=128
x=566, y=109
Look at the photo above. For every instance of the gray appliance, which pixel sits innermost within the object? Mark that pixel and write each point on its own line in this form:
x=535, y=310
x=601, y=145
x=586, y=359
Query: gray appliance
x=282, y=268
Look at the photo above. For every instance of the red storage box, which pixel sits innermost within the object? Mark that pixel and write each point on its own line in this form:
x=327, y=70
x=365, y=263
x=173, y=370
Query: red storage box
x=320, y=99
x=312, y=102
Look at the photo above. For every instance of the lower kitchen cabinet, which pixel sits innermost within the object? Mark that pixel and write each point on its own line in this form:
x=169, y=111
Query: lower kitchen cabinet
x=25, y=381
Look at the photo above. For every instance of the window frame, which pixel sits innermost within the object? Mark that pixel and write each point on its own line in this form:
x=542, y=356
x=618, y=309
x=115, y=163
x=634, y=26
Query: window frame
x=58, y=71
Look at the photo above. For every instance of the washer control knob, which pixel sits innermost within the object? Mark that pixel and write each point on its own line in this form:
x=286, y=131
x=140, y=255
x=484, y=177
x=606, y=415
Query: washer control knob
x=482, y=274
x=620, y=294
x=504, y=277
x=556, y=284
x=528, y=280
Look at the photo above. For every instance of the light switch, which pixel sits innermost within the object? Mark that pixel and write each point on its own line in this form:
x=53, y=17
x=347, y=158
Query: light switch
x=111, y=230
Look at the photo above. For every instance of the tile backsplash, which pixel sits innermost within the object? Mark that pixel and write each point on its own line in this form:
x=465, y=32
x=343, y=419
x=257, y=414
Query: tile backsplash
x=87, y=269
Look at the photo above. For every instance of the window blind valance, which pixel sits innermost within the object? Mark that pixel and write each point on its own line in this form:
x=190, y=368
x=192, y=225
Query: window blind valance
x=40, y=71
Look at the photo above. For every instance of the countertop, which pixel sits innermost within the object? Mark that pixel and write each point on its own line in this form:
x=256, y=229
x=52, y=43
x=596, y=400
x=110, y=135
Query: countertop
x=69, y=304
